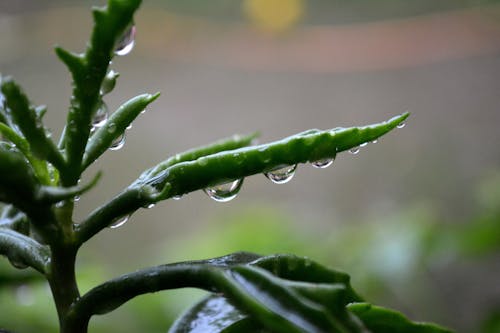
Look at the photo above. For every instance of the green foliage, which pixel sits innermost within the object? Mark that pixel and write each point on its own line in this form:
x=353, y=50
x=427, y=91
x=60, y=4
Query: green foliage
x=39, y=181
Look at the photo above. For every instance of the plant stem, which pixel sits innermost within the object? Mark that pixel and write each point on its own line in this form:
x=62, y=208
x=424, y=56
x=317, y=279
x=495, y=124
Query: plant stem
x=62, y=282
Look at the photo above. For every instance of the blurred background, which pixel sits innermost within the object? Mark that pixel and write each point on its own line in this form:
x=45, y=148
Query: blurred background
x=415, y=218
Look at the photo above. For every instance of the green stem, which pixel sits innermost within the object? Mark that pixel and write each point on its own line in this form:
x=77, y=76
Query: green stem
x=62, y=281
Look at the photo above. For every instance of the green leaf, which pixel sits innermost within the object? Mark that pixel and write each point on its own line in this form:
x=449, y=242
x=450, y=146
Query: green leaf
x=18, y=183
x=23, y=251
x=381, y=320
x=30, y=124
x=115, y=126
x=88, y=72
x=276, y=303
x=214, y=314
x=39, y=167
x=225, y=166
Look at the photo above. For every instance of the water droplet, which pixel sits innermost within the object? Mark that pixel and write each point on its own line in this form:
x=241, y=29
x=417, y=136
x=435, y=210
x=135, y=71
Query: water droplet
x=224, y=192
x=363, y=144
x=354, y=150
x=129, y=127
x=76, y=198
x=177, y=197
x=203, y=161
x=109, y=82
x=24, y=295
x=151, y=205
x=118, y=143
x=281, y=175
x=111, y=128
x=119, y=222
x=401, y=124
x=126, y=42
x=101, y=116
x=375, y=141
x=322, y=164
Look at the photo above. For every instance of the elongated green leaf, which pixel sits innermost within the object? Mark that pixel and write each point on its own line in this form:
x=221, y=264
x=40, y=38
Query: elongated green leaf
x=88, y=71
x=53, y=194
x=380, y=320
x=226, y=166
x=30, y=124
x=23, y=251
x=115, y=126
x=196, y=170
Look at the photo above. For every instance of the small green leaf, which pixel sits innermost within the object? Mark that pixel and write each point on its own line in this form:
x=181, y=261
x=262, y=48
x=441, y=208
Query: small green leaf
x=30, y=124
x=53, y=194
x=17, y=180
x=117, y=123
x=39, y=167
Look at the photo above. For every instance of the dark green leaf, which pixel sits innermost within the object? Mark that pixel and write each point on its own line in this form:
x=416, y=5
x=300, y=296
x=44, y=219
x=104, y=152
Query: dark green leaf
x=115, y=126
x=29, y=122
x=380, y=320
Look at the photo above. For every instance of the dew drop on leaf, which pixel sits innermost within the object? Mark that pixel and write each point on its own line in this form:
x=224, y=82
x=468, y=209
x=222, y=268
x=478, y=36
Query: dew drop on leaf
x=363, y=144
x=401, y=124
x=177, y=197
x=111, y=128
x=118, y=143
x=100, y=117
x=119, y=222
x=322, y=164
x=354, y=150
x=375, y=141
x=282, y=175
x=224, y=192
x=126, y=42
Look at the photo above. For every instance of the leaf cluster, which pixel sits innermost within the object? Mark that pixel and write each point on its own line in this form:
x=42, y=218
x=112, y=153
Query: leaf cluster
x=39, y=180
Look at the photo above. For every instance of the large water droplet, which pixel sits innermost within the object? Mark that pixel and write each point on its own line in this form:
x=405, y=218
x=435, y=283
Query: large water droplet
x=282, y=175
x=354, y=150
x=401, y=124
x=100, y=117
x=363, y=144
x=118, y=143
x=322, y=164
x=126, y=42
x=119, y=222
x=224, y=192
